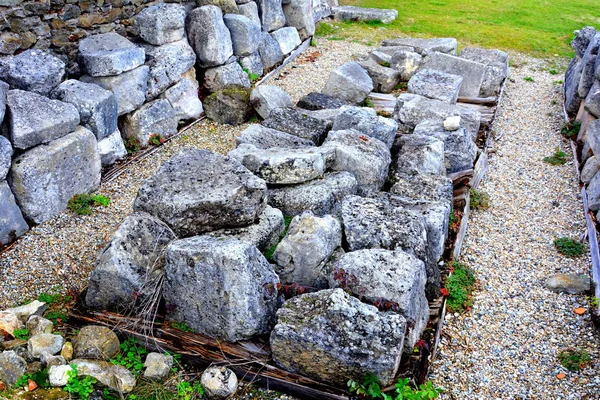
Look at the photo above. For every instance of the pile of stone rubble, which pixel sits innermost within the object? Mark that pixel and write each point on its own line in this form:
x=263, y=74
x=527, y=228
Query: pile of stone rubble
x=370, y=200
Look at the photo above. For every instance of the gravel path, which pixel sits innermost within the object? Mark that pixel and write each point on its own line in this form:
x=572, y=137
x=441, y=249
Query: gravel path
x=506, y=346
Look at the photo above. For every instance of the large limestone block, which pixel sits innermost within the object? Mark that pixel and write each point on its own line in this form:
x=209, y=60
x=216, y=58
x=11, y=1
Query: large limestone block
x=33, y=70
x=363, y=121
x=245, y=34
x=269, y=50
x=472, y=72
x=425, y=46
x=12, y=367
x=297, y=123
x=287, y=38
x=208, y=36
x=319, y=101
x=435, y=85
x=221, y=77
x=265, y=138
x=351, y=13
x=418, y=154
x=109, y=54
x=154, y=118
x=183, y=97
x=250, y=10
x=96, y=342
x=433, y=187
x=229, y=106
x=271, y=14
x=115, y=377
x=12, y=224
x=497, y=68
x=299, y=14
x=161, y=23
x=385, y=79
x=405, y=62
x=350, y=82
x=227, y=6
x=6, y=152
x=45, y=178
x=111, y=148
x=266, y=98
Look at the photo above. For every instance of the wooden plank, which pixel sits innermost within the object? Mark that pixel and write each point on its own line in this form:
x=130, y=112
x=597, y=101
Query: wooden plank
x=462, y=231
x=305, y=45
x=481, y=168
x=478, y=100
x=593, y=241
x=383, y=101
x=460, y=176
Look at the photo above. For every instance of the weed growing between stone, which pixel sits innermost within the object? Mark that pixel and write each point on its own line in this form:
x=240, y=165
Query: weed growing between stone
x=558, y=158
x=79, y=386
x=570, y=129
x=268, y=253
x=132, y=145
x=22, y=334
x=574, y=359
x=131, y=356
x=370, y=388
x=528, y=79
x=58, y=305
x=480, y=200
x=569, y=247
x=81, y=204
x=459, y=286
x=156, y=139
x=40, y=378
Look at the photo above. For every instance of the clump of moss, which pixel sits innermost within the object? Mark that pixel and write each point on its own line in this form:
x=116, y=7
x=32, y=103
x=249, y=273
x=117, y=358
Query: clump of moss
x=569, y=247
x=459, y=286
x=480, y=200
x=81, y=204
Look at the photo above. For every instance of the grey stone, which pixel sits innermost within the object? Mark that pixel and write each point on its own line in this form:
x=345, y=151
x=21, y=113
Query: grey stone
x=394, y=276
x=129, y=264
x=129, y=88
x=219, y=382
x=435, y=85
x=97, y=106
x=380, y=57
x=432, y=187
x=406, y=62
x=351, y=13
x=111, y=149
x=109, y=54
x=223, y=288
x=320, y=196
x=265, y=138
x=6, y=153
x=154, y=118
x=223, y=194
x=345, y=338
x=245, y=34
x=218, y=78
x=269, y=51
x=183, y=97
x=592, y=135
x=497, y=68
x=590, y=169
x=593, y=193
x=418, y=154
x=168, y=63
x=253, y=63
x=44, y=343
x=368, y=159
x=425, y=46
x=592, y=101
x=95, y=342
x=12, y=367
x=45, y=178
x=209, y=36
x=33, y=70
x=115, y=377
x=323, y=9
x=571, y=85
x=25, y=311
x=3, y=93
x=384, y=79
x=227, y=6
x=363, y=121
x=299, y=14
x=319, y=101
x=582, y=39
x=157, y=366
x=588, y=63
x=250, y=10
x=33, y=119
x=301, y=255
x=47, y=360
x=287, y=38
x=350, y=82
x=263, y=234
x=12, y=223
x=568, y=283
x=472, y=72
x=229, y=106
x=297, y=123
x=37, y=325
x=391, y=50
x=271, y=14
x=266, y=98
x=161, y=23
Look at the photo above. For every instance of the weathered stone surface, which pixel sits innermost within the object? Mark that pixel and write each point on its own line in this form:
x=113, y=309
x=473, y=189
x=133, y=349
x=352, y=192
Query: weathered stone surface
x=287, y=38
x=592, y=101
x=161, y=23
x=47, y=360
x=350, y=82
x=115, y=377
x=33, y=119
x=130, y=262
x=568, y=283
x=571, y=84
x=265, y=138
x=451, y=123
x=391, y=50
x=111, y=149
x=588, y=65
x=380, y=57
x=367, y=158
x=154, y=118
x=297, y=123
x=223, y=288
x=363, y=121
x=25, y=311
x=593, y=193
x=57, y=375
x=319, y=101
x=223, y=194
x=418, y=154
x=168, y=63
x=405, y=62
x=302, y=254
x=395, y=276
x=219, y=382
x=320, y=196
x=231, y=74
x=45, y=178
x=299, y=14
x=592, y=135
x=435, y=85
x=8, y=323
x=497, y=68
x=245, y=34
x=12, y=224
x=157, y=366
x=95, y=342
x=350, y=13
x=109, y=54
x=472, y=72
x=97, y=106
x=208, y=36
x=33, y=70
x=183, y=97
x=432, y=187
x=332, y=337
x=271, y=14
x=37, y=325
x=253, y=63
x=12, y=367
x=44, y=343
x=227, y=6
x=266, y=98
x=250, y=10
x=384, y=79
x=129, y=88
x=229, y=106
x=425, y=46
x=582, y=39
x=590, y=169
x=269, y=51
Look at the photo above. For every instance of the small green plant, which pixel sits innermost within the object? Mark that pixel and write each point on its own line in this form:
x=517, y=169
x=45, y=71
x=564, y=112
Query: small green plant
x=82, y=387
x=552, y=71
x=458, y=287
x=49, y=298
x=569, y=247
x=368, y=103
x=40, y=378
x=81, y=204
x=452, y=220
x=268, y=253
x=558, y=82
x=554, y=102
x=384, y=63
x=130, y=356
x=570, y=129
x=187, y=391
x=132, y=145
x=156, y=139
x=528, y=79
x=574, y=359
x=56, y=316
x=383, y=113
x=22, y=334
x=370, y=388
x=182, y=326
x=594, y=301
x=480, y=200
x=313, y=42
x=252, y=76
x=558, y=158
x=403, y=86
x=253, y=119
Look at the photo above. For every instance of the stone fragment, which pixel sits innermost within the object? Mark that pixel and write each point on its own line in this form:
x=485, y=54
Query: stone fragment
x=287, y=38
x=115, y=377
x=8, y=323
x=435, y=85
x=223, y=288
x=161, y=23
x=227, y=6
x=12, y=223
x=129, y=87
x=223, y=194
x=350, y=82
x=472, y=72
x=452, y=123
x=33, y=70
x=568, y=283
x=380, y=57
x=23, y=312
x=250, y=10
x=365, y=122
x=229, y=106
x=299, y=14
x=232, y=74
x=154, y=118
x=345, y=338
x=245, y=34
x=208, y=36
x=571, y=86
x=109, y=54
x=270, y=53
x=297, y=123
x=37, y=324
x=47, y=360
x=592, y=101
x=582, y=39
x=418, y=154
x=253, y=63
x=12, y=367
x=271, y=14
x=58, y=375
x=95, y=342
x=183, y=97
x=406, y=62
x=425, y=46
x=385, y=79
x=219, y=382
x=497, y=68
x=127, y=267
x=590, y=169
x=266, y=98
x=97, y=106
x=265, y=138
x=593, y=193
x=111, y=149
x=45, y=178
x=44, y=343
x=319, y=101
x=432, y=187
x=351, y=13
x=158, y=366
x=6, y=153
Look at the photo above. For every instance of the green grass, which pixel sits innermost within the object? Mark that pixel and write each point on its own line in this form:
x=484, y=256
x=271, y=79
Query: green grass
x=541, y=28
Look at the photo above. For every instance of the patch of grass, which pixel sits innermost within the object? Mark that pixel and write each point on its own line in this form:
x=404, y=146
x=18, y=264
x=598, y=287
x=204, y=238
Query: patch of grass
x=22, y=334
x=369, y=387
x=574, y=359
x=56, y=316
x=480, y=200
x=569, y=247
x=570, y=129
x=458, y=287
x=558, y=82
x=384, y=63
x=528, y=79
x=324, y=29
x=81, y=204
x=552, y=71
x=558, y=158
